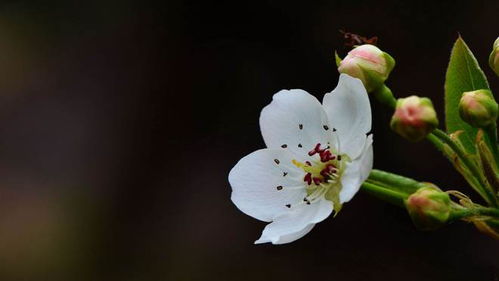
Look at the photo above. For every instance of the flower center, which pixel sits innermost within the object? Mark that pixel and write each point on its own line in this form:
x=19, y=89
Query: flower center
x=323, y=176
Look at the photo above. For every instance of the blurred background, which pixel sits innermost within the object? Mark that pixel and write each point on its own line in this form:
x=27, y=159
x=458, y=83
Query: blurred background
x=120, y=120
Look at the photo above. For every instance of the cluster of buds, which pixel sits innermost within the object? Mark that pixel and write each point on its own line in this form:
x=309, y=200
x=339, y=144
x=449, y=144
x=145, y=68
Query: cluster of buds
x=429, y=207
x=478, y=108
x=369, y=64
x=414, y=118
x=494, y=57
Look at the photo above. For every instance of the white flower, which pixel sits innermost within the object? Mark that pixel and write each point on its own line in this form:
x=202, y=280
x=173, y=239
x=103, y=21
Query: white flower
x=317, y=157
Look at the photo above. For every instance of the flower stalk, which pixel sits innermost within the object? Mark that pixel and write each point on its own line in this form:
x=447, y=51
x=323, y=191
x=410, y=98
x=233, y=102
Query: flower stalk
x=384, y=193
x=398, y=190
x=482, y=187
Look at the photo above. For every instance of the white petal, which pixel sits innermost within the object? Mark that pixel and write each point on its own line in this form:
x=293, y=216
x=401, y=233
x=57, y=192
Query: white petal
x=356, y=172
x=295, y=120
x=264, y=182
x=296, y=223
x=286, y=238
x=366, y=159
x=349, y=112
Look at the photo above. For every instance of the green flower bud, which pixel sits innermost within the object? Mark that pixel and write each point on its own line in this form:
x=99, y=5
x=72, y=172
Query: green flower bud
x=494, y=57
x=414, y=118
x=478, y=108
x=429, y=207
x=368, y=63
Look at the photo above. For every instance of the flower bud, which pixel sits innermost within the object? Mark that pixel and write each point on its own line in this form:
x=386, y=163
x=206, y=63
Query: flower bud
x=429, y=207
x=478, y=108
x=414, y=118
x=368, y=63
x=494, y=57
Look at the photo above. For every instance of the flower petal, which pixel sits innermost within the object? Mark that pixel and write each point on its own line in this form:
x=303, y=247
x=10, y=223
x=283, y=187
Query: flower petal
x=264, y=182
x=296, y=121
x=287, y=238
x=356, y=172
x=349, y=112
x=296, y=223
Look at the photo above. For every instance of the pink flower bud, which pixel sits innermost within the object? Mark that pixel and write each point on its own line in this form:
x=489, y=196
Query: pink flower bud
x=478, y=108
x=369, y=64
x=429, y=207
x=414, y=118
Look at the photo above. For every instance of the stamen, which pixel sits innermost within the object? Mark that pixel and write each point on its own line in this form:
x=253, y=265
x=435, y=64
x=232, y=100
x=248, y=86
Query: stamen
x=317, y=149
x=277, y=161
x=308, y=178
x=328, y=171
x=284, y=145
x=317, y=193
x=300, y=126
x=320, y=174
x=326, y=156
x=279, y=187
x=317, y=180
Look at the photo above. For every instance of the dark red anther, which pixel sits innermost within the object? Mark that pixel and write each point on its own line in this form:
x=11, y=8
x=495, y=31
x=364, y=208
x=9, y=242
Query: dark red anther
x=327, y=156
x=308, y=178
x=331, y=168
x=317, y=181
x=317, y=149
x=324, y=156
x=328, y=170
x=308, y=163
x=325, y=173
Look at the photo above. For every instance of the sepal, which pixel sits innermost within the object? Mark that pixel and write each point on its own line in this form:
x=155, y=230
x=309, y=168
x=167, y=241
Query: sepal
x=337, y=59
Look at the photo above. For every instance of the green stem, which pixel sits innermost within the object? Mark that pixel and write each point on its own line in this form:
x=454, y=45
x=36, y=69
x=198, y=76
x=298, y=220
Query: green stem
x=384, y=193
x=476, y=211
x=437, y=143
x=493, y=223
x=491, y=133
x=385, y=96
x=484, y=191
x=400, y=183
x=451, y=157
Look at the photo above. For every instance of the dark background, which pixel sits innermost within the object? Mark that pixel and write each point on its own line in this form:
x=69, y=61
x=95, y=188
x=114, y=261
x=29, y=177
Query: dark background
x=120, y=120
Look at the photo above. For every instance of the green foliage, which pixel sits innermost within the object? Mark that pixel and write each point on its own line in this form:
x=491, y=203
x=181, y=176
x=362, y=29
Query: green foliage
x=463, y=75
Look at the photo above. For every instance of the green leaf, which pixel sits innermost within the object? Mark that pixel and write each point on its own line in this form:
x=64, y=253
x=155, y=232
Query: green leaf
x=463, y=74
